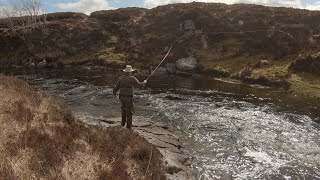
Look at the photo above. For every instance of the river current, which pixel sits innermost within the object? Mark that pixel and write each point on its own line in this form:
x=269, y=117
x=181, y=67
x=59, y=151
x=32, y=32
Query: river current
x=228, y=131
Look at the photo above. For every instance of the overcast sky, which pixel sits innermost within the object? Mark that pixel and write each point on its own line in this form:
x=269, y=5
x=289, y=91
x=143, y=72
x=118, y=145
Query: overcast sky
x=88, y=6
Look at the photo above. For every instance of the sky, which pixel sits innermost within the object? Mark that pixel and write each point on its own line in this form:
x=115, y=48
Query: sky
x=88, y=6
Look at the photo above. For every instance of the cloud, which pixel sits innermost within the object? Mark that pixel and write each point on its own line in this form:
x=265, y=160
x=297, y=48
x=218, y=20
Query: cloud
x=85, y=6
x=314, y=6
x=286, y=3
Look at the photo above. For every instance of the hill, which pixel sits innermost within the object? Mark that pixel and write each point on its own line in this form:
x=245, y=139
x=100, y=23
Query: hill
x=270, y=46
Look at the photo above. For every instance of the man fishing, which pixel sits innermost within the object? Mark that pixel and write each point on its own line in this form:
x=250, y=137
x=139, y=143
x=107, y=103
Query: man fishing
x=125, y=84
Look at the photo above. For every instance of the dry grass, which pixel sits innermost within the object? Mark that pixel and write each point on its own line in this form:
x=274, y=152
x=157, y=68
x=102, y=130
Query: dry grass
x=40, y=139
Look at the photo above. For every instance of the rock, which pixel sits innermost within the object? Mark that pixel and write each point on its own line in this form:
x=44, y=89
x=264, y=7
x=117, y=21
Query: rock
x=42, y=64
x=262, y=63
x=135, y=56
x=85, y=68
x=157, y=134
x=307, y=63
x=160, y=72
x=52, y=65
x=31, y=65
x=181, y=73
x=174, y=98
x=188, y=34
x=189, y=25
x=171, y=68
x=246, y=72
x=187, y=64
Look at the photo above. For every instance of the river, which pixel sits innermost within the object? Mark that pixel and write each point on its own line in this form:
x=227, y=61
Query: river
x=229, y=131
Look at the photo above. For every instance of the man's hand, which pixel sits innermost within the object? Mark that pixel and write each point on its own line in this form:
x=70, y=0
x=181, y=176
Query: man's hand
x=144, y=82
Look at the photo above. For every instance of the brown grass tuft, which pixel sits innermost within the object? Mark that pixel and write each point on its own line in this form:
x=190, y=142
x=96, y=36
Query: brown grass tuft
x=43, y=140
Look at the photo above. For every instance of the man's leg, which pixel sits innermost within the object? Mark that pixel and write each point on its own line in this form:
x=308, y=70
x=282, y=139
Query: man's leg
x=129, y=120
x=124, y=118
x=124, y=113
x=129, y=112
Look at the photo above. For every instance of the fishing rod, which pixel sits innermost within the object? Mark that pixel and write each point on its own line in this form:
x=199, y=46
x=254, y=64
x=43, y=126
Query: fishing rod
x=162, y=60
x=231, y=32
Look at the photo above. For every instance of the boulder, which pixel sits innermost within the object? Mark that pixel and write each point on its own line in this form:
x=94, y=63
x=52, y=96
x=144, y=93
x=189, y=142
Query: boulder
x=42, y=64
x=262, y=63
x=31, y=65
x=171, y=68
x=307, y=63
x=187, y=64
x=189, y=25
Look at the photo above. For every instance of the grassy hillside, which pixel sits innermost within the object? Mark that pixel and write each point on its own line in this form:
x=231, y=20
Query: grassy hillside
x=225, y=39
x=40, y=139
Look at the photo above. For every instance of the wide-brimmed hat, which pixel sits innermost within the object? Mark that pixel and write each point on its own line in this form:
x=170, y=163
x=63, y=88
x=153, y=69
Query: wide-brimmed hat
x=128, y=69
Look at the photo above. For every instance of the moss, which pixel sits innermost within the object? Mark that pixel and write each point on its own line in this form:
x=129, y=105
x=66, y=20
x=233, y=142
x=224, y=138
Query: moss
x=272, y=73
x=74, y=59
x=305, y=84
x=113, y=40
x=108, y=55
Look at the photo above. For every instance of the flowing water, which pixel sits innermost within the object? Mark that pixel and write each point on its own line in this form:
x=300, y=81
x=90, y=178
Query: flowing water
x=228, y=131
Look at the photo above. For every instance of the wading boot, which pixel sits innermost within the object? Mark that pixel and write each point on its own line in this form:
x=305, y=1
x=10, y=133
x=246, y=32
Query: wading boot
x=129, y=120
x=124, y=118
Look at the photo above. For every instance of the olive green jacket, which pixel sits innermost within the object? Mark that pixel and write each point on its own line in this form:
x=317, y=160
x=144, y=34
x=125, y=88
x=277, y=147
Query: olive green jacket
x=125, y=84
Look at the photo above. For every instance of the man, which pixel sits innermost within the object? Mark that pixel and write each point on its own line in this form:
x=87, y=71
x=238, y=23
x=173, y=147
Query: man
x=125, y=85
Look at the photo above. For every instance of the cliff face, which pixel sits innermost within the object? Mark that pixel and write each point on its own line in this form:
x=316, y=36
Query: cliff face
x=141, y=36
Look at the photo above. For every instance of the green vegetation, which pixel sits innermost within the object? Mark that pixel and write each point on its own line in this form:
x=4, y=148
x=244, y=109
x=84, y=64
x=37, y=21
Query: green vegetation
x=108, y=55
x=142, y=37
x=305, y=84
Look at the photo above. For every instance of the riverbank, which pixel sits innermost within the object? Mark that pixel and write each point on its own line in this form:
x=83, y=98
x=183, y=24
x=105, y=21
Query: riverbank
x=278, y=48
x=40, y=138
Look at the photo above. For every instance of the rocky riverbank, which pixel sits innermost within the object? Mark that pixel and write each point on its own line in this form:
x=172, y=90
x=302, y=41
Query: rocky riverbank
x=159, y=135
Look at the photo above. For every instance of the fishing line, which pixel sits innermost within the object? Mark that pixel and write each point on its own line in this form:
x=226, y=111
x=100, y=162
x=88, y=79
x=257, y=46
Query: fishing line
x=162, y=60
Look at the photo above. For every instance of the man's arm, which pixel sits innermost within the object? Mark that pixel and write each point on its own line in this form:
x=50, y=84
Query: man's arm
x=116, y=88
x=136, y=83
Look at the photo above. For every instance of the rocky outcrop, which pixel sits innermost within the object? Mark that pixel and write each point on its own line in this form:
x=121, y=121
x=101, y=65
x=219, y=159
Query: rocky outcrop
x=308, y=63
x=160, y=136
x=187, y=64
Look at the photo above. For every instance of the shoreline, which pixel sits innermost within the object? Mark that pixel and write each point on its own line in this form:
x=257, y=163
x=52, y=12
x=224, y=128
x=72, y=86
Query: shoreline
x=295, y=87
x=161, y=136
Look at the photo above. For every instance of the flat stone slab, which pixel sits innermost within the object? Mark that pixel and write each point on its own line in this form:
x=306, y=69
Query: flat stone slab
x=158, y=134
